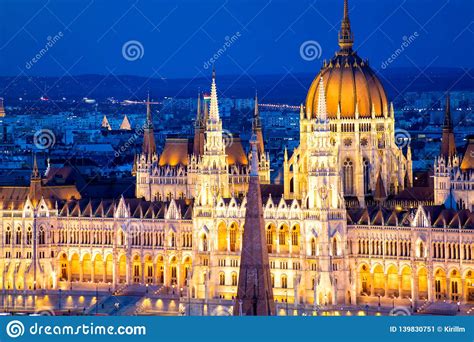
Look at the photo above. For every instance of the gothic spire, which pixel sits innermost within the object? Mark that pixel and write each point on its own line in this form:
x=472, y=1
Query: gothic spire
x=346, y=39
x=149, y=145
x=34, y=172
x=448, y=145
x=198, y=111
x=448, y=123
x=199, y=127
x=149, y=120
x=35, y=184
x=254, y=292
x=214, y=106
x=257, y=127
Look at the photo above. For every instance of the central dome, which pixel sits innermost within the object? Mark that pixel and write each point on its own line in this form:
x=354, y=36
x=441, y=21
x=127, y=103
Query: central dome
x=350, y=84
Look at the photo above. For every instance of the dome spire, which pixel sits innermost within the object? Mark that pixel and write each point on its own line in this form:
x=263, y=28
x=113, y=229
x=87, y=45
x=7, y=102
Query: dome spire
x=346, y=39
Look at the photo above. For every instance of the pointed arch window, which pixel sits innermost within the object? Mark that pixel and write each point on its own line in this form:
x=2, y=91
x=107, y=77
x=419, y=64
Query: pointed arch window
x=366, y=166
x=348, y=177
x=8, y=236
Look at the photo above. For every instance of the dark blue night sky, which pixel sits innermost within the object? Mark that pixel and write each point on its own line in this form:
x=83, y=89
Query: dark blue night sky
x=180, y=37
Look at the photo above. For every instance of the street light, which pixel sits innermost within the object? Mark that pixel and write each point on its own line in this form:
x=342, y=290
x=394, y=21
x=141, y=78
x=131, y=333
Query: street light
x=146, y=286
x=286, y=300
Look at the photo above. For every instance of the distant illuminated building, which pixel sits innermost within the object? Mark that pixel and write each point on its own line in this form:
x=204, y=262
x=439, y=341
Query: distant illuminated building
x=2, y=108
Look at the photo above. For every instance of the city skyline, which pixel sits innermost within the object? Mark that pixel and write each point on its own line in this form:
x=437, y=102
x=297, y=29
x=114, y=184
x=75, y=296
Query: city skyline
x=176, y=39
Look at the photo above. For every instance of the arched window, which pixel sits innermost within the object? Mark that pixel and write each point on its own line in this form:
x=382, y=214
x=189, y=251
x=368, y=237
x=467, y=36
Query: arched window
x=366, y=165
x=221, y=279
x=29, y=236
x=204, y=243
x=348, y=177
x=313, y=247
x=294, y=237
x=233, y=238
x=422, y=250
x=334, y=247
x=282, y=236
x=272, y=279
x=18, y=236
x=284, y=282
x=8, y=236
x=269, y=239
x=172, y=240
x=234, y=279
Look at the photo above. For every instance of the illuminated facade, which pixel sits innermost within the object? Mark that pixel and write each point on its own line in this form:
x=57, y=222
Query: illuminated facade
x=184, y=228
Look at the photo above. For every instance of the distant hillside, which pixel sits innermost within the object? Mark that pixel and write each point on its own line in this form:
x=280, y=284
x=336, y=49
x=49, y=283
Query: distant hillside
x=276, y=88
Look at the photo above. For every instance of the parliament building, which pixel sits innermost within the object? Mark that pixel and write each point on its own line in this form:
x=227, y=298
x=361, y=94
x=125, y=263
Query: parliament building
x=346, y=226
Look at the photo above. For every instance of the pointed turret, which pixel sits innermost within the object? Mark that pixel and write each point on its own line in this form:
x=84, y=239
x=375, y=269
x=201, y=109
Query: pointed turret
x=346, y=39
x=214, y=106
x=125, y=125
x=149, y=145
x=198, y=111
x=257, y=127
x=35, y=184
x=199, y=128
x=254, y=292
x=321, y=110
x=105, y=124
x=448, y=145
